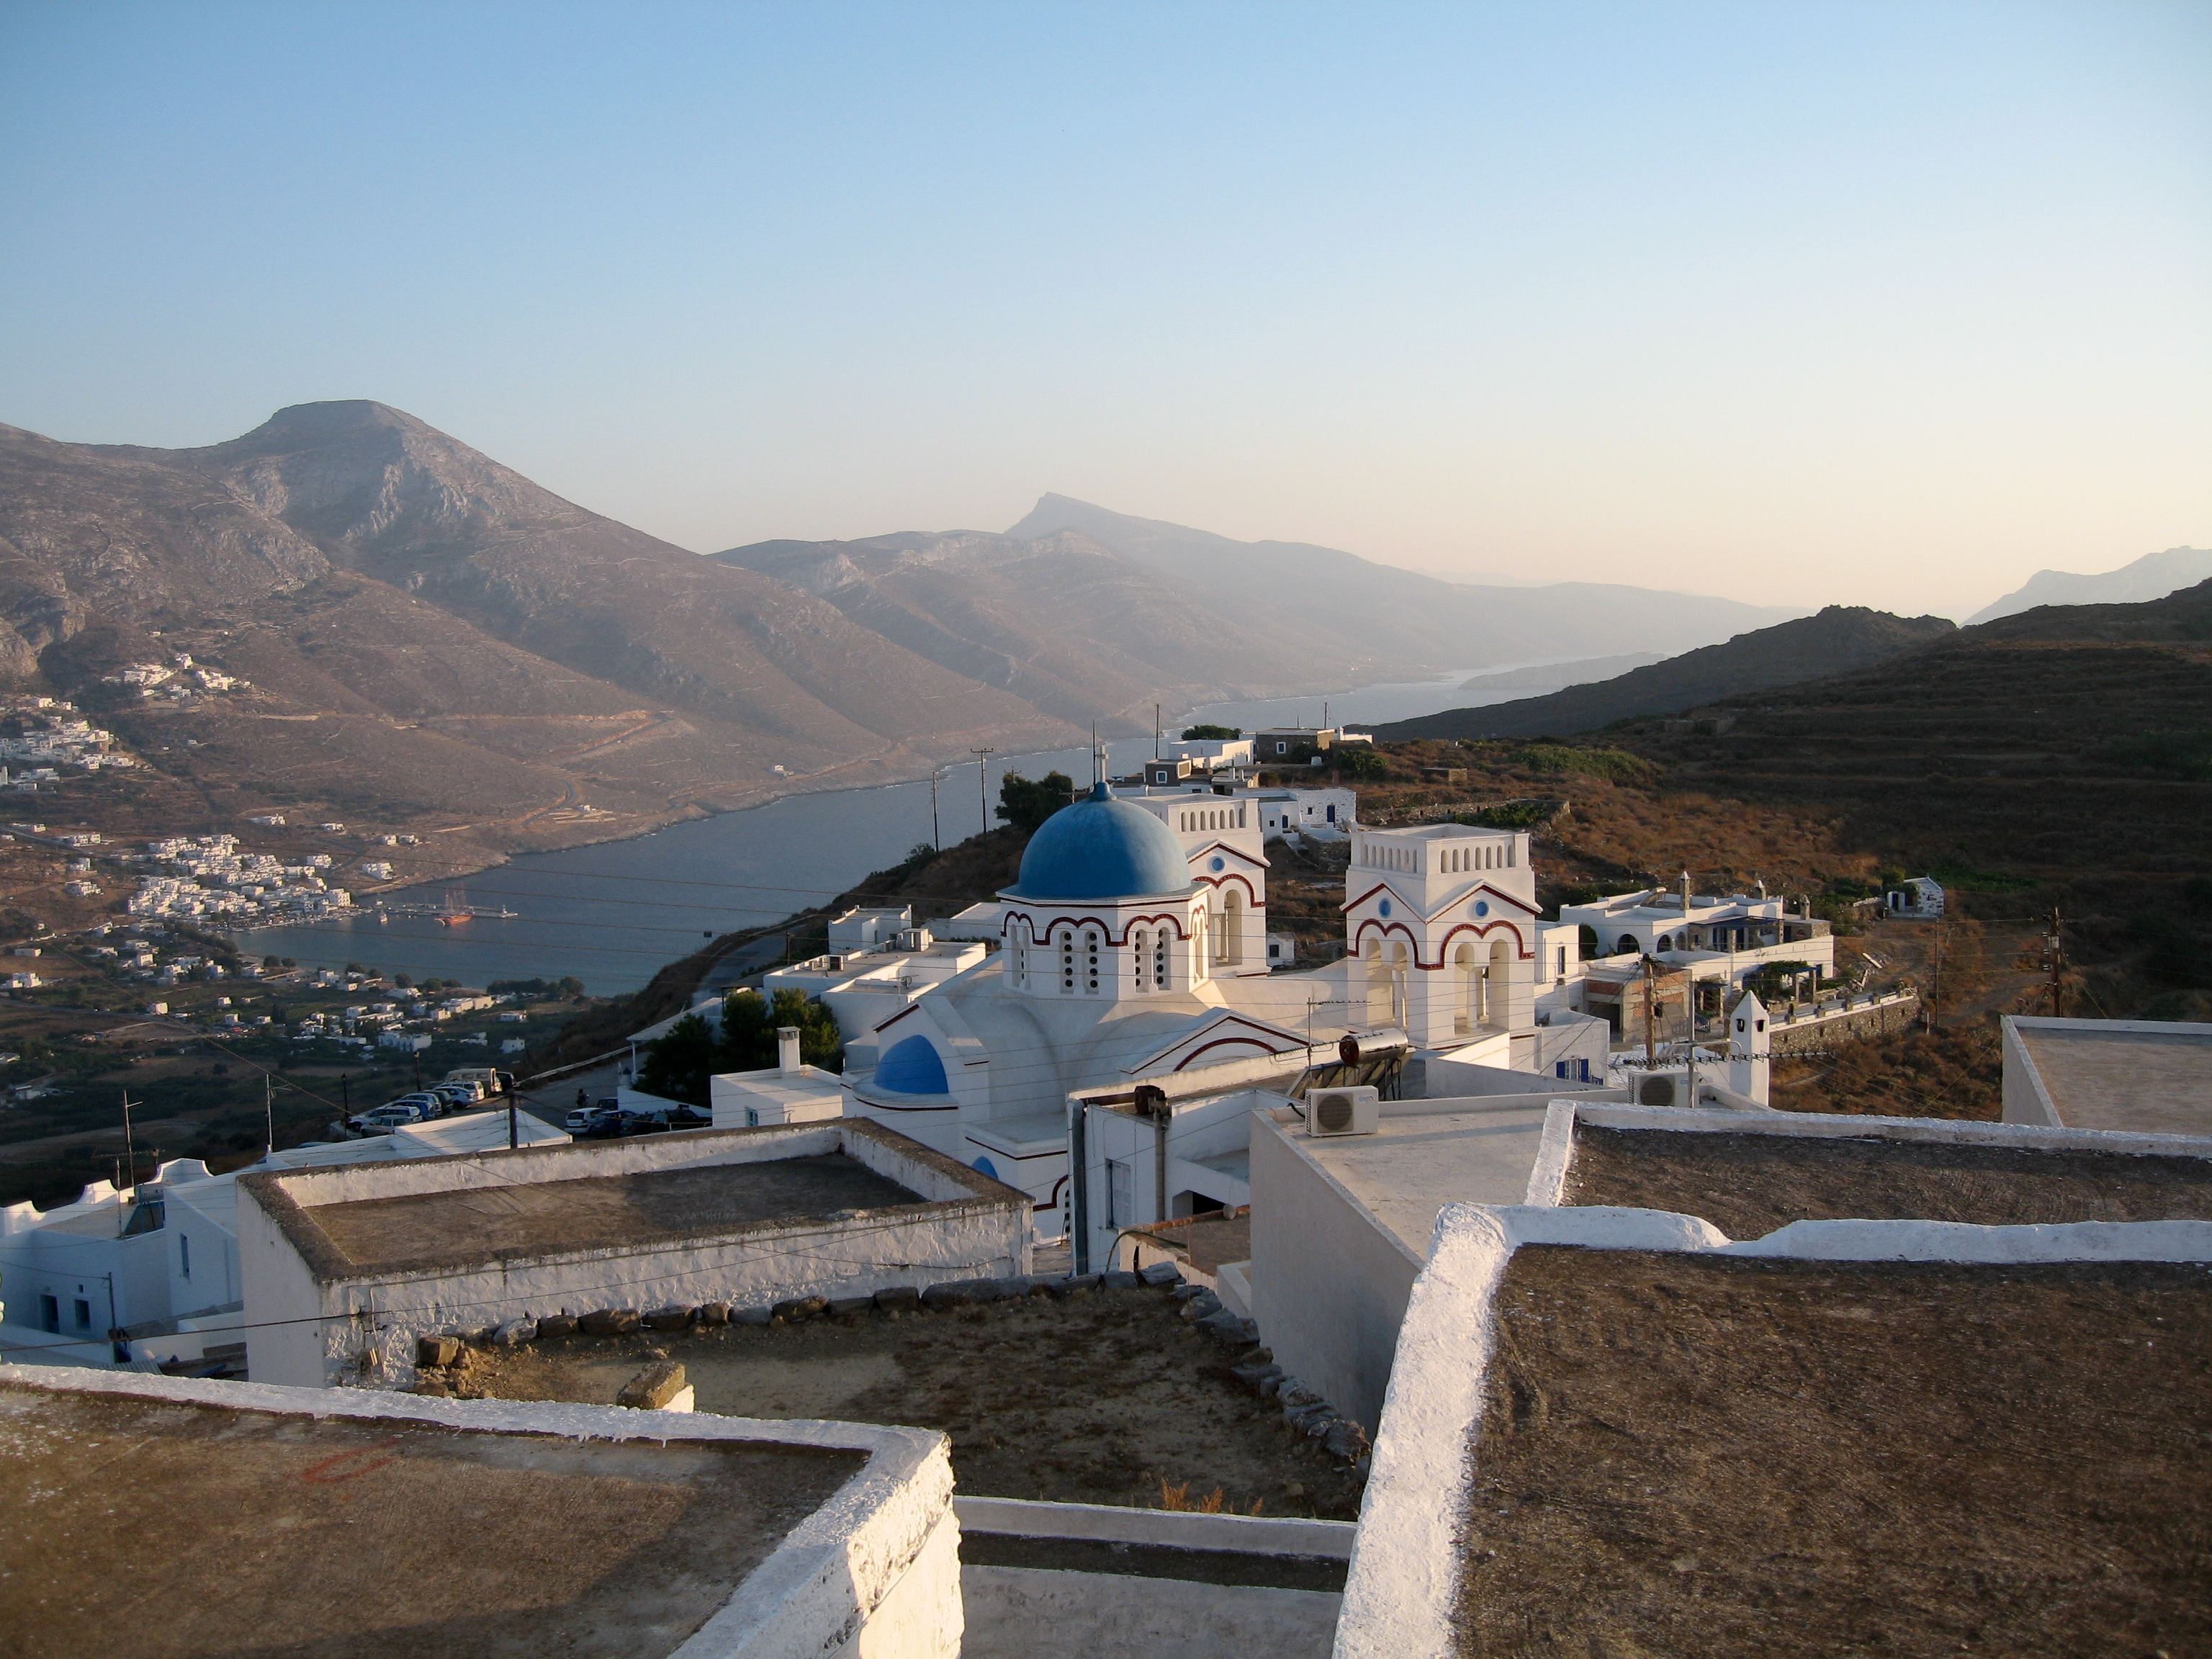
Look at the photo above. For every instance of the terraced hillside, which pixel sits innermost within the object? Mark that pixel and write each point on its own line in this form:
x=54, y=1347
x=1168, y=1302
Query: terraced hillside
x=2071, y=740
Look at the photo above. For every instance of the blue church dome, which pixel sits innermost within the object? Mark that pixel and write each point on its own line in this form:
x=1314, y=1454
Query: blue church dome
x=913, y=1067
x=1102, y=848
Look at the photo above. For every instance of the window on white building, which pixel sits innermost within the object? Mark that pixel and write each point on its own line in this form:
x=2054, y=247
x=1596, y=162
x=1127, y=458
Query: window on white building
x=1068, y=962
x=1090, y=948
x=184, y=1254
x=1160, y=960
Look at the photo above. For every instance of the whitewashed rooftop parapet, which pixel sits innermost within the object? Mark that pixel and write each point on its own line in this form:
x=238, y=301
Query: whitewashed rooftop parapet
x=875, y=1569
x=1400, y=1594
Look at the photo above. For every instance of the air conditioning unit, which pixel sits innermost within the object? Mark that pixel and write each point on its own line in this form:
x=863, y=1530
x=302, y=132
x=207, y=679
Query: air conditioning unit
x=1342, y=1111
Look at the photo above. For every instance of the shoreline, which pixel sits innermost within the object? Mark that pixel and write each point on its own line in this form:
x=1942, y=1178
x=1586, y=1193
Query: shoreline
x=697, y=811
x=774, y=862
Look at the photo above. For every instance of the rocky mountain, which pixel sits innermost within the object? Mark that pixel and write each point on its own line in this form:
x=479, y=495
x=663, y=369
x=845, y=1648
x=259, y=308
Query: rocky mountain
x=1836, y=640
x=429, y=632
x=1067, y=625
x=2153, y=576
x=1398, y=623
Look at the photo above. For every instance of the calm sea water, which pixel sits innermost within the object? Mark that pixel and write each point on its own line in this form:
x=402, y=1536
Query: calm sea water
x=611, y=914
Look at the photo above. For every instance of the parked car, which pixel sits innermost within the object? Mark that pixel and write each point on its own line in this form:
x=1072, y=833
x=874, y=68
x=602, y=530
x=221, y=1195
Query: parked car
x=584, y=1119
x=383, y=1120
x=426, y=1104
x=457, y=1095
x=660, y=1119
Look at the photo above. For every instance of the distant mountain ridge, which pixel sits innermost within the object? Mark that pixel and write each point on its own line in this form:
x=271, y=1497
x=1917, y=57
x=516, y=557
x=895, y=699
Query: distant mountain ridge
x=1066, y=624
x=428, y=632
x=1398, y=623
x=2153, y=576
x=1835, y=640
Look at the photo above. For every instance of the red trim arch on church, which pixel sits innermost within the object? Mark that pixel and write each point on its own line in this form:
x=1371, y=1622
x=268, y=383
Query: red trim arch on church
x=1175, y=919
x=1371, y=927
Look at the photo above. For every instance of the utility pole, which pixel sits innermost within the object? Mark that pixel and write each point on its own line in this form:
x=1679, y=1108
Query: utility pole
x=983, y=783
x=1650, y=1018
x=1156, y=731
x=269, y=1113
x=130, y=1146
x=513, y=1129
x=2052, y=944
x=936, y=831
x=1689, y=1050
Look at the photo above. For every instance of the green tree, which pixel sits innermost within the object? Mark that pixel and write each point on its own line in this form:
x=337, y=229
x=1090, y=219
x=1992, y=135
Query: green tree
x=678, y=1062
x=750, y=1023
x=1211, y=733
x=1361, y=763
x=1026, y=805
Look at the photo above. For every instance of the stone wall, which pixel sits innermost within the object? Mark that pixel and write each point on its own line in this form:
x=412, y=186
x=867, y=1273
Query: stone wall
x=1841, y=1020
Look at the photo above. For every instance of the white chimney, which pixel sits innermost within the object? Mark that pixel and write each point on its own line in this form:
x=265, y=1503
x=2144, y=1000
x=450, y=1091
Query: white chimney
x=1749, y=1049
x=787, y=1050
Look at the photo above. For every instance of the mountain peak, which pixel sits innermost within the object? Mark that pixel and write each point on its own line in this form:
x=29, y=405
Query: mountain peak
x=2153, y=576
x=343, y=415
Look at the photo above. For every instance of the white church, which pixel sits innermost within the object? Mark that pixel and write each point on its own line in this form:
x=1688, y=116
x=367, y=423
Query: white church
x=1133, y=946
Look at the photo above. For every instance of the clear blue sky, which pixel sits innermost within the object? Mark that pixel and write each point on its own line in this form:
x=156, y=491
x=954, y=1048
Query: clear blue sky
x=1791, y=301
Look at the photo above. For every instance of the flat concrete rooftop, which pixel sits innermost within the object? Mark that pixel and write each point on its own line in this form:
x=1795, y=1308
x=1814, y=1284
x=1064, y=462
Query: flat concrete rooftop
x=1769, y=1455
x=1416, y=1162
x=525, y=1218
x=191, y=1529
x=1749, y=1184
x=2154, y=1082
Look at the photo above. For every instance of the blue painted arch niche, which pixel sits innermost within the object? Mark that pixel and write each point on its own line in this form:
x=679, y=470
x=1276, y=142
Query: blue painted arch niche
x=913, y=1067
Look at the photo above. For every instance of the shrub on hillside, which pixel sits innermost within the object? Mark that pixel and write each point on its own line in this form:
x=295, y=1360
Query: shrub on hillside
x=1614, y=765
x=1512, y=815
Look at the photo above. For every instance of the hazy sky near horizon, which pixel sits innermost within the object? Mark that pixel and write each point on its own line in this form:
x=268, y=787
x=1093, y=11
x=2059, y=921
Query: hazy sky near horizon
x=1799, y=303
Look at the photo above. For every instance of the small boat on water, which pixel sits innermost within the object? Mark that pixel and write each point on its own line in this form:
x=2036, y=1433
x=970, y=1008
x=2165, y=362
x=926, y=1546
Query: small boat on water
x=455, y=910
